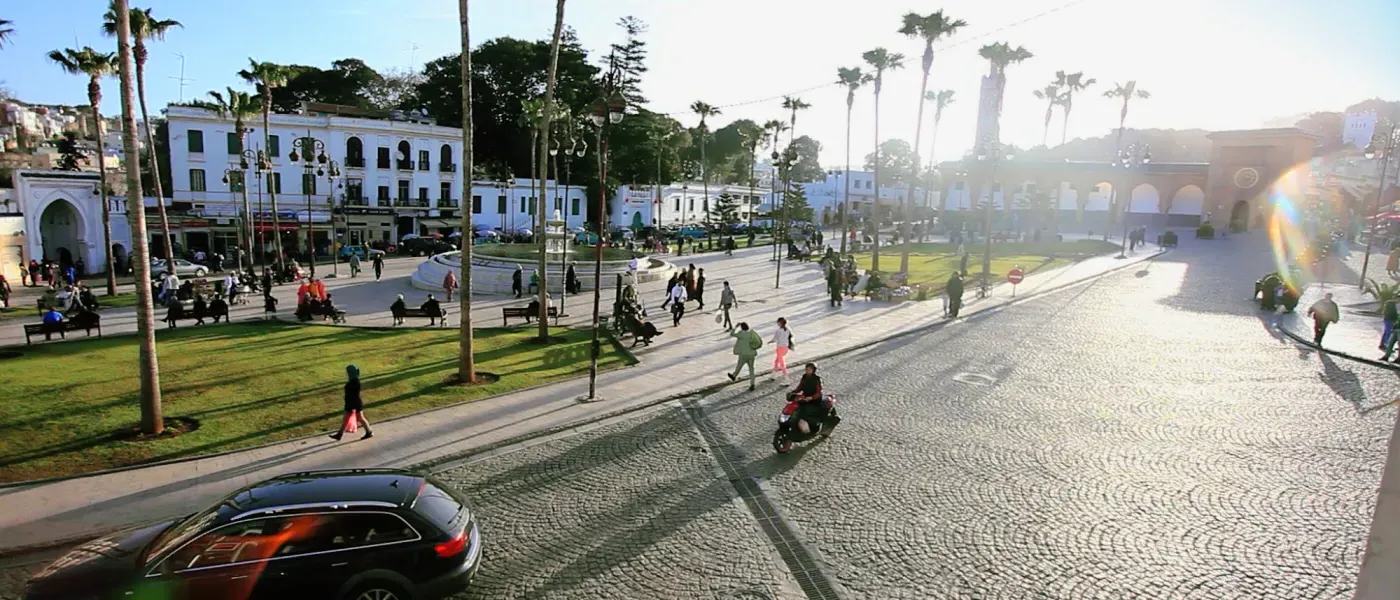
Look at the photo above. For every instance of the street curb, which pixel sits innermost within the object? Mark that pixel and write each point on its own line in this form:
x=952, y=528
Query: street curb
x=1307, y=342
x=175, y=461
x=709, y=389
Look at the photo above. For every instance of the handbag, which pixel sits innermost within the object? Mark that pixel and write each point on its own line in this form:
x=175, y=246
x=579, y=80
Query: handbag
x=719, y=318
x=755, y=342
x=351, y=422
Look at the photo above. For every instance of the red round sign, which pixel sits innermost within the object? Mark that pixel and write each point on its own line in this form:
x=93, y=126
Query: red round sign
x=1015, y=276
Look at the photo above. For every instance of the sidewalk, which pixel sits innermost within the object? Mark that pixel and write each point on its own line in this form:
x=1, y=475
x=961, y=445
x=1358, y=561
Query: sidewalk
x=1357, y=335
x=685, y=359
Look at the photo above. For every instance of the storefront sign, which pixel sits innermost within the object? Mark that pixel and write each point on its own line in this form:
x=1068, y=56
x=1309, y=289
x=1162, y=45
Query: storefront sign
x=195, y=223
x=365, y=210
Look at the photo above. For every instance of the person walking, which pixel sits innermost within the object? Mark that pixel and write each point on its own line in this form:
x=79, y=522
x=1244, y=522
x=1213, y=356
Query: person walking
x=1324, y=312
x=699, y=295
x=33, y=273
x=1389, y=315
x=449, y=283
x=354, y=265
x=782, y=342
x=1392, y=264
x=4, y=292
x=727, y=300
x=516, y=286
x=354, y=406
x=677, y=300
x=377, y=261
x=955, y=294
x=834, y=286
x=670, y=289
x=746, y=345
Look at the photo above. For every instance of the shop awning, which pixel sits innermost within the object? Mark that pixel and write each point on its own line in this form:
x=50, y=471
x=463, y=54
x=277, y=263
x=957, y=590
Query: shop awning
x=440, y=223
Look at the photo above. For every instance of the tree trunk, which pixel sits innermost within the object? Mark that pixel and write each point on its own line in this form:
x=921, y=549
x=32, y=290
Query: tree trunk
x=155, y=163
x=152, y=421
x=875, y=255
x=106, y=205
x=466, y=361
x=247, y=209
x=544, y=165
x=1064, y=130
x=907, y=228
x=846, y=202
x=933, y=145
x=272, y=178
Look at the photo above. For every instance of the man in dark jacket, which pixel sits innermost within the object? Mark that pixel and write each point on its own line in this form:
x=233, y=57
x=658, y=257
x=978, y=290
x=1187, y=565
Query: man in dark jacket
x=433, y=309
x=1390, y=316
x=515, y=282
x=955, y=292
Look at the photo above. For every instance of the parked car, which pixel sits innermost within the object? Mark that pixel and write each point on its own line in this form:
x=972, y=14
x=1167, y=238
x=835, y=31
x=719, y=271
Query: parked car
x=425, y=246
x=381, y=533
x=364, y=253
x=183, y=268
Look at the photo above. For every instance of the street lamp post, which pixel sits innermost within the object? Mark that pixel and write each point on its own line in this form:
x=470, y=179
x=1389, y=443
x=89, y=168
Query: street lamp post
x=1383, y=146
x=333, y=183
x=261, y=167
x=685, y=205
x=607, y=111
x=991, y=152
x=784, y=163
x=570, y=151
x=1130, y=159
x=311, y=153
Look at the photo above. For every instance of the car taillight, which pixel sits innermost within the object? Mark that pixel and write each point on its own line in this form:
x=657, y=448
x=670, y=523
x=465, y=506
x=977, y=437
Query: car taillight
x=454, y=546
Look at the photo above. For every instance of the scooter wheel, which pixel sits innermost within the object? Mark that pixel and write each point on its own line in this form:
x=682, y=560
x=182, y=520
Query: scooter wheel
x=780, y=443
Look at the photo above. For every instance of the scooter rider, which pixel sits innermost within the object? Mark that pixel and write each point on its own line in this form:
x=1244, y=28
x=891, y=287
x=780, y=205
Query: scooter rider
x=808, y=395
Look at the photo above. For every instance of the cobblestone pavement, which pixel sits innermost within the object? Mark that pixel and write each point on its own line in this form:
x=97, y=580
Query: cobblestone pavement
x=631, y=510
x=1143, y=436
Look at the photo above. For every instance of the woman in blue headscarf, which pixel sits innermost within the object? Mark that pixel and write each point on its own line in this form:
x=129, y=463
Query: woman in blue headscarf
x=354, y=406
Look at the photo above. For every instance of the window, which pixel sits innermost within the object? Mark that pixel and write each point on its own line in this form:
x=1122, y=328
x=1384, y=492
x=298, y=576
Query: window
x=574, y=212
x=354, y=152
x=522, y=204
x=678, y=204
x=869, y=184
x=274, y=147
x=235, y=181
x=308, y=183
x=236, y=542
x=367, y=529
x=530, y=207
x=354, y=188
x=558, y=204
x=500, y=205
x=274, y=182
x=196, y=180
x=439, y=508
x=691, y=208
x=235, y=143
x=195, y=138
x=403, y=189
x=422, y=160
x=445, y=158
x=383, y=157
x=423, y=194
x=476, y=205
x=383, y=193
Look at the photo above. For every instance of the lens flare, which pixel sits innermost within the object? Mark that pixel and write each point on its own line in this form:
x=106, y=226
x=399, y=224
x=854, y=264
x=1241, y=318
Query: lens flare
x=1293, y=226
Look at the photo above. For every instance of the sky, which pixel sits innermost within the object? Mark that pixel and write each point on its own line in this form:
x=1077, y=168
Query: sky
x=1209, y=64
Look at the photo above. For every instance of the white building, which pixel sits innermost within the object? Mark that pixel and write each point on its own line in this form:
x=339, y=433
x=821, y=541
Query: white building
x=1358, y=128
x=59, y=218
x=827, y=196
x=680, y=203
x=399, y=175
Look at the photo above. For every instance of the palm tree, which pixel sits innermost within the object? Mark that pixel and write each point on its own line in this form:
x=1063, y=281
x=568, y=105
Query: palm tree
x=930, y=28
x=1051, y=95
x=1127, y=92
x=240, y=107
x=753, y=135
x=1001, y=55
x=144, y=26
x=881, y=60
x=152, y=422
x=5, y=32
x=853, y=79
x=466, y=360
x=95, y=65
x=705, y=111
x=1073, y=83
x=531, y=114
x=548, y=115
x=940, y=99
x=773, y=131
x=265, y=76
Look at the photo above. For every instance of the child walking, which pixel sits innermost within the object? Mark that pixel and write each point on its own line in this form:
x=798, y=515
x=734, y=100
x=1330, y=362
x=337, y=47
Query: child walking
x=782, y=342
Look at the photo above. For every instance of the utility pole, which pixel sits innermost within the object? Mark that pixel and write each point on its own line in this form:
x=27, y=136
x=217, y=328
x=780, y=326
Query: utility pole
x=182, y=79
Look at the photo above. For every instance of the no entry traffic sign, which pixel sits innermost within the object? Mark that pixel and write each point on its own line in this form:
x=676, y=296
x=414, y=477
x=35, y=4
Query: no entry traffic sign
x=1015, y=276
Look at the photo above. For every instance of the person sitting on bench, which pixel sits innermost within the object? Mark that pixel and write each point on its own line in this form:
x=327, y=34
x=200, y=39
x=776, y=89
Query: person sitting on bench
x=432, y=308
x=398, y=310
x=328, y=309
x=218, y=309
x=200, y=307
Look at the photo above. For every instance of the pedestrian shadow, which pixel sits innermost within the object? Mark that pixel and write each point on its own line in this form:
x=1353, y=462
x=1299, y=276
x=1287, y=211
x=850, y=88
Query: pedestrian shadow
x=1343, y=382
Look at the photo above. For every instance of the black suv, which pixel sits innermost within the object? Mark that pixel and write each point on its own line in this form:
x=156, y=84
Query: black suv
x=356, y=535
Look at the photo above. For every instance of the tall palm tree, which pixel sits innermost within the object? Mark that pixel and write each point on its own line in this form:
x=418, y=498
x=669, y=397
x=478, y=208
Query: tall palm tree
x=773, y=131
x=549, y=112
x=152, y=422
x=940, y=99
x=1051, y=95
x=705, y=111
x=1000, y=55
x=930, y=28
x=6, y=31
x=1073, y=83
x=144, y=26
x=240, y=107
x=1127, y=92
x=753, y=135
x=95, y=65
x=466, y=360
x=853, y=79
x=531, y=114
x=881, y=60
x=265, y=76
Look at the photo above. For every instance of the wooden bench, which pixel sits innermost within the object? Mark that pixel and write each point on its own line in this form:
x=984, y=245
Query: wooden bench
x=422, y=314
x=88, y=324
x=523, y=312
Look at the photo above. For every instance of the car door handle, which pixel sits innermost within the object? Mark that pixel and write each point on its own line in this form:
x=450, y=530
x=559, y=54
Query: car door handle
x=340, y=564
x=238, y=577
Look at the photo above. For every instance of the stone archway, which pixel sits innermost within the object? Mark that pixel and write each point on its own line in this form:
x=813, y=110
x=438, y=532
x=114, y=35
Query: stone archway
x=119, y=258
x=61, y=231
x=1239, y=216
x=1187, y=207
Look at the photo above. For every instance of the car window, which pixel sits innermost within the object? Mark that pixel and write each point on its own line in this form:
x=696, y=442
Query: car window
x=366, y=529
x=253, y=539
x=439, y=507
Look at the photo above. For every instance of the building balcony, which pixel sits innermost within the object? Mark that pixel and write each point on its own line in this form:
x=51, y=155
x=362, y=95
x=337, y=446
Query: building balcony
x=422, y=165
x=356, y=200
x=447, y=167
x=383, y=201
x=355, y=162
x=405, y=165
x=411, y=202
x=448, y=203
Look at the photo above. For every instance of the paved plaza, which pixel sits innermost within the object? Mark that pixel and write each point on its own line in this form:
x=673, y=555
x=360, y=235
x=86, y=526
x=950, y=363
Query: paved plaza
x=1147, y=433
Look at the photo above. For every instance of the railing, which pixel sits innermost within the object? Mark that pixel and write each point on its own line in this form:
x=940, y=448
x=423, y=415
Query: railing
x=447, y=167
x=422, y=165
x=448, y=203
x=355, y=162
x=405, y=165
x=383, y=201
x=356, y=200
x=412, y=202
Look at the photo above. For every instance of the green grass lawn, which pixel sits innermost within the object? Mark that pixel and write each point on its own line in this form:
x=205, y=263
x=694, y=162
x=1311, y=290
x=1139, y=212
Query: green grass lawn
x=29, y=310
x=531, y=252
x=247, y=384
x=931, y=264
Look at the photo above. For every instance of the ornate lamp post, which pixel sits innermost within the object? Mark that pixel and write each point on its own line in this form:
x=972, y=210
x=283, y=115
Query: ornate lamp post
x=1130, y=159
x=607, y=111
x=991, y=152
x=575, y=147
x=261, y=167
x=784, y=164
x=1383, y=146
x=311, y=154
x=333, y=183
